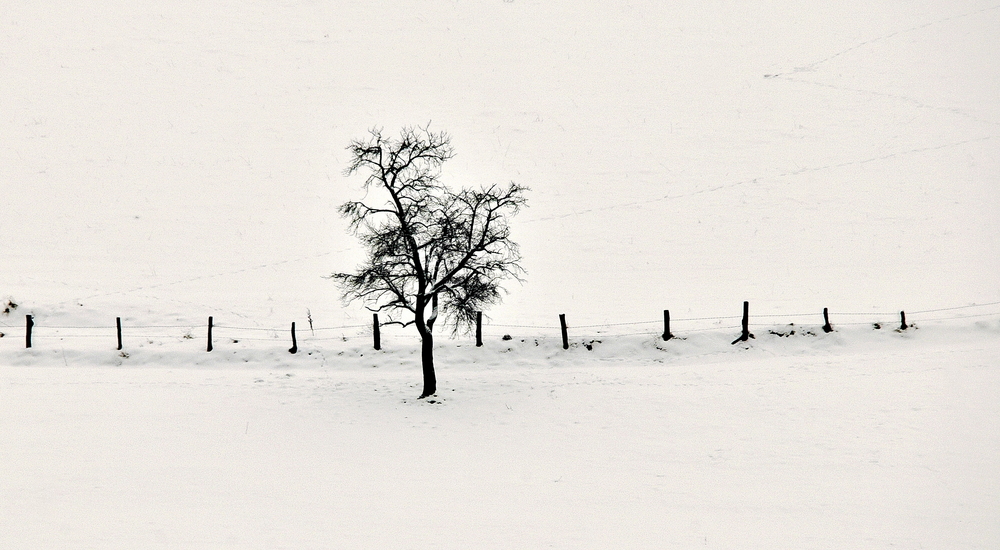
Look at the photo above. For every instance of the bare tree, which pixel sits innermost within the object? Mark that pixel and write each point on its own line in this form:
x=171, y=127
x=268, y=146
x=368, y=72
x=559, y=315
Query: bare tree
x=432, y=251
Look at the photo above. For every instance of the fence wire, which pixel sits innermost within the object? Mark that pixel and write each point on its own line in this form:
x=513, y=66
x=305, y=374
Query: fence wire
x=305, y=334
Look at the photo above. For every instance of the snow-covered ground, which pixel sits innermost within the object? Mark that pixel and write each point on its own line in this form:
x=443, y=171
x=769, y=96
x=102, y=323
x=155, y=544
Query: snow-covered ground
x=854, y=439
x=164, y=163
x=682, y=155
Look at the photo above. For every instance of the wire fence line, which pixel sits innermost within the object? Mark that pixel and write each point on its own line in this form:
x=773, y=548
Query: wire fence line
x=347, y=332
x=872, y=314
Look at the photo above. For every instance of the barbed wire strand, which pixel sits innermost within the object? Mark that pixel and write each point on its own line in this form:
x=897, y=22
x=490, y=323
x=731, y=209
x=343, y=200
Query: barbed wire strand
x=962, y=317
x=544, y=327
x=14, y=331
x=956, y=307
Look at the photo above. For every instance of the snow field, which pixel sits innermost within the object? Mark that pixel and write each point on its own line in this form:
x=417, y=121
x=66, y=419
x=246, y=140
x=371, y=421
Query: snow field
x=189, y=157
x=855, y=439
x=168, y=162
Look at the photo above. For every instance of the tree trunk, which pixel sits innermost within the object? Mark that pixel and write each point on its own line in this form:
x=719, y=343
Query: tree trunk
x=427, y=360
x=424, y=328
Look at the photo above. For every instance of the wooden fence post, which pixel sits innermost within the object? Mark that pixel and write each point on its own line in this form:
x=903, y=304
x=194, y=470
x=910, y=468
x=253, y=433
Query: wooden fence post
x=209, y=333
x=565, y=335
x=479, y=329
x=118, y=324
x=746, y=325
x=666, y=325
x=295, y=344
x=827, y=327
x=375, y=332
x=28, y=323
x=902, y=320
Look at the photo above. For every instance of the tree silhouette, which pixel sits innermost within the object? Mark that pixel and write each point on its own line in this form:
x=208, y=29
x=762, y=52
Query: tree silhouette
x=432, y=252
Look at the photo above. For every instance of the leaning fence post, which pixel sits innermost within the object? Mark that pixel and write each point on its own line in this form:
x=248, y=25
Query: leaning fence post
x=479, y=329
x=28, y=323
x=210, y=333
x=565, y=335
x=902, y=320
x=295, y=345
x=746, y=325
x=118, y=324
x=375, y=332
x=827, y=327
x=666, y=325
